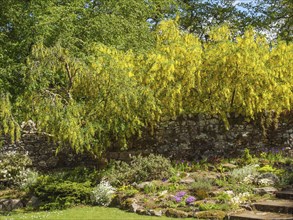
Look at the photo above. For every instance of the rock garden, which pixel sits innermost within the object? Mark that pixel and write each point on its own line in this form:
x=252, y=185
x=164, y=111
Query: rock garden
x=151, y=185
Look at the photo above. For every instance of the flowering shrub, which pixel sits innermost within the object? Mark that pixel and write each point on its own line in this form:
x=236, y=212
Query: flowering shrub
x=103, y=193
x=12, y=167
x=27, y=178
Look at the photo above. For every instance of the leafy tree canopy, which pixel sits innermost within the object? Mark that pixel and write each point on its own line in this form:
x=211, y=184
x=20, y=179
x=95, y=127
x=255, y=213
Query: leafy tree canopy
x=272, y=16
x=91, y=73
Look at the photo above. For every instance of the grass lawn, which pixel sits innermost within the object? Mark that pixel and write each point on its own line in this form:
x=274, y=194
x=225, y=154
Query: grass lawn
x=80, y=213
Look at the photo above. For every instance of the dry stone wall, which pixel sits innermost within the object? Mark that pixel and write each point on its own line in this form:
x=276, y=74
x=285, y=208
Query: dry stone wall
x=42, y=151
x=189, y=138
x=206, y=137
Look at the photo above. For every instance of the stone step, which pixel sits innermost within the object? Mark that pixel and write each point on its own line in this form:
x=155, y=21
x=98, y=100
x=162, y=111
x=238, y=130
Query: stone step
x=286, y=194
x=277, y=206
x=256, y=215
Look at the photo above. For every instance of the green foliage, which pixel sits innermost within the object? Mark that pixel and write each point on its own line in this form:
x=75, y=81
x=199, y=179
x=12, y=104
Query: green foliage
x=57, y=194
x=270, y=169
x=201, y=193
x=287, y=179
x=274, y=155
x=11, y=194
x=78, y=174
x=200, y=16
x=8, y=125
x=272, y=16
x=174, y=178
x=223, y=198
x=140, y=169
x=267, y=169
x=150, y=188
x=247, y=157
x=239, y=188
x=213, y=206
x=128, y=190
x=202, y=184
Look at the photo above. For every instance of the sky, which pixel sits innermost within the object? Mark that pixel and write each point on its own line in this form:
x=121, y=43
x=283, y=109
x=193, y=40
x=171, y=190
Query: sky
x=243, y=1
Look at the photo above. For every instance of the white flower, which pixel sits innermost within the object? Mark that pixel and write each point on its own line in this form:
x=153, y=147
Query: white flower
x=103, y=193
x=248, y=179
x=266, y=182
x=229, y=192
x=240, y=198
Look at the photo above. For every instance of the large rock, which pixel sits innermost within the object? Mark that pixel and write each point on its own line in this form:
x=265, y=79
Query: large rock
x=10, y=204
x=143, y=184
x=187, y=180
x=267, y=179
x=34, y=202
x=211, y=214
x=156, y=212
x=229, y=166
x=131, y=205
x=176, y=213
x=265, y=190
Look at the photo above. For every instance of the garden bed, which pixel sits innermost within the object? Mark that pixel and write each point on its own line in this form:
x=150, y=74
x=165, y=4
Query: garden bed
x=154, y=186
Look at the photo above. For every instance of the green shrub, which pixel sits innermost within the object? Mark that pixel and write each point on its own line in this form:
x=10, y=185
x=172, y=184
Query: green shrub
x=128, y=190
x=57, y=194
x=140, y=169
x=150, y=188
x=213, y=206
x=287, y=179
x=78, y=174
x=174, y=179
x=201, y=193
x=269, y=169
x=247, y=157
x=202, y=184
x=223, y=198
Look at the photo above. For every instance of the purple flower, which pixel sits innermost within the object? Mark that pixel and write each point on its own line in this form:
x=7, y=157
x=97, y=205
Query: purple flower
x=164, y=179
x=177, y=198
x=190, y=199
x=180, y=194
